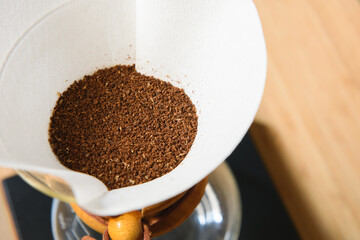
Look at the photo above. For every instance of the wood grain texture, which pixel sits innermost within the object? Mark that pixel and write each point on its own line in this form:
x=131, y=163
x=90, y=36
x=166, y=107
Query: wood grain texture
x=7, y=227
x=308, y=125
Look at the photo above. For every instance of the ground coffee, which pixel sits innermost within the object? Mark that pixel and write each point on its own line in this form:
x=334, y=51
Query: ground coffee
x=122, y=127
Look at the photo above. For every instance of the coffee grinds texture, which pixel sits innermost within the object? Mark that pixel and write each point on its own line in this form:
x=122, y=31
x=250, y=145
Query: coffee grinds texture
x=122, y=127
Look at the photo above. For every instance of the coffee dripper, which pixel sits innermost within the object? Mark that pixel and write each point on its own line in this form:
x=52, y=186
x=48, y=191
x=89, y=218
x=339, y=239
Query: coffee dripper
x=215, y=52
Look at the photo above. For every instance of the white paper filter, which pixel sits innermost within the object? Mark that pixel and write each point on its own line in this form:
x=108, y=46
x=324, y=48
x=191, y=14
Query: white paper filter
x=213, y=49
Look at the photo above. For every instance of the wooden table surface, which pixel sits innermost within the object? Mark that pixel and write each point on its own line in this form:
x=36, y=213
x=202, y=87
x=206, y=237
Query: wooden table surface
x=7, y=227
x=308, y=125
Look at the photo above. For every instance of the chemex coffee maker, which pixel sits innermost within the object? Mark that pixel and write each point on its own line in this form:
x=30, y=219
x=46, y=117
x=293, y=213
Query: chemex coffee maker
x=214, y=50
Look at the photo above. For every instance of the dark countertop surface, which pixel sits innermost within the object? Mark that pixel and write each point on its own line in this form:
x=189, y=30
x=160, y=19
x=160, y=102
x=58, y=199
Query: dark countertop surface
x=264, y=216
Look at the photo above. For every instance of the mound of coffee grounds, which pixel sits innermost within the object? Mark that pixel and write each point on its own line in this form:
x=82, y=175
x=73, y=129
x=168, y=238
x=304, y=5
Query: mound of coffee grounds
x=122, y=127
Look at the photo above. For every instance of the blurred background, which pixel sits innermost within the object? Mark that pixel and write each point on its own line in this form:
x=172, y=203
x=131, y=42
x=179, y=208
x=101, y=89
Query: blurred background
x=298, y=168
